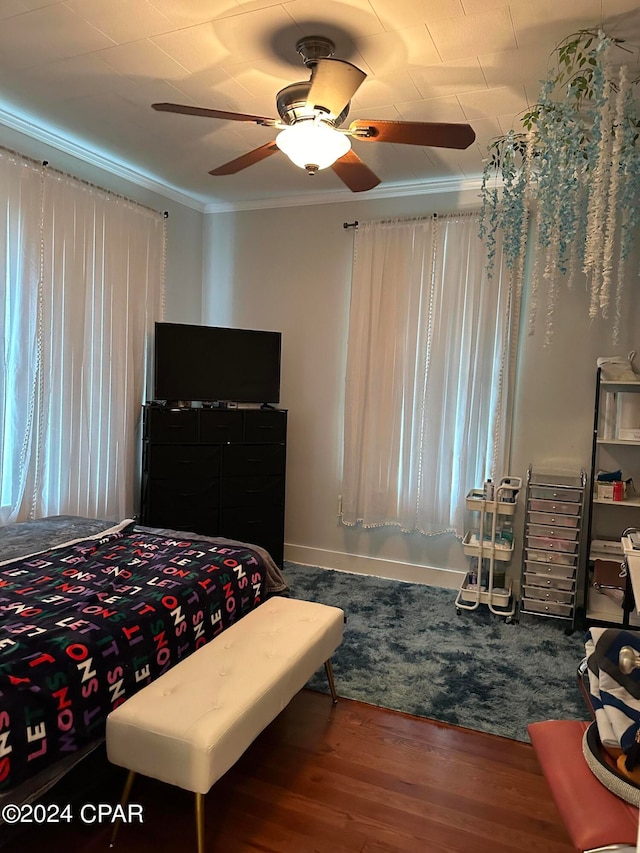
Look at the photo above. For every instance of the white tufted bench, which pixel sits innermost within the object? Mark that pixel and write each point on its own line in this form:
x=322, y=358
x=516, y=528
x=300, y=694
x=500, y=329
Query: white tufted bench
x=193, y=723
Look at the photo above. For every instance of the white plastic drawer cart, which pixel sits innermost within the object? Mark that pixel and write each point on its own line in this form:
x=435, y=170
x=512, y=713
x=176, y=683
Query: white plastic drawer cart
x=490, y=548
x=552, y=554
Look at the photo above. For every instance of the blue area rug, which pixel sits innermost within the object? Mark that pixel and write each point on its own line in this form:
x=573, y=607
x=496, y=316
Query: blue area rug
x=405, y=647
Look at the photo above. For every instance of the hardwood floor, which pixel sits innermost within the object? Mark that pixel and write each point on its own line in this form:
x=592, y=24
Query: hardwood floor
x=351, y=778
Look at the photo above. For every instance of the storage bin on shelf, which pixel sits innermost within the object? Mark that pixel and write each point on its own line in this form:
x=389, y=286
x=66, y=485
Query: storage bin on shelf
x=500, y=597
x=490, y=550
x=475, y=500
x=471, y=545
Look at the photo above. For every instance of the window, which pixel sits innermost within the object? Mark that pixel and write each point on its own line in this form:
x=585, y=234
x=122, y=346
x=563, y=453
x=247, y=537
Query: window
x=429, y=372
x=82, y=288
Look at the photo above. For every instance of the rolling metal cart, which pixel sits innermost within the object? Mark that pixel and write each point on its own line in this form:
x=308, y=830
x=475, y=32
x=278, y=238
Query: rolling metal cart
x=490, y=552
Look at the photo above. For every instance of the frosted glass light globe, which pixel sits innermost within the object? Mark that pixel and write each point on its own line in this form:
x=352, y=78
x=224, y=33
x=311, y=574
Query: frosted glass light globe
x=312, y=146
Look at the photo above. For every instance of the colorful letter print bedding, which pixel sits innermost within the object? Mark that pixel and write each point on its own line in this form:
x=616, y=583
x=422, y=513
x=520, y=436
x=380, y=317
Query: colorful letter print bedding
x=86, y=624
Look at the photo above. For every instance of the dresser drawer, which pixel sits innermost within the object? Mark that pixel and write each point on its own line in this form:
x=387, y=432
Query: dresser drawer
x=552, y=493
x=162, y=494
x=555, y=507
x=556, y=557
x=186, y=520
x=544, y=581
x=253, y=459
x=553, y=608
x=264, y=425
x=553, y=570
x=254, y=525
x=185, y=465
x=554, y=518
x=220, y=425
x=567, y=533
x=194, y=512
x=249, y=491
x=549, y=544
x=548, y=594
x=172, y=425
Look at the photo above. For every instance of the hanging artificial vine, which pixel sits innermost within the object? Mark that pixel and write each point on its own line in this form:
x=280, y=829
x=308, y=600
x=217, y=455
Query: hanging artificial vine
x=578, y=159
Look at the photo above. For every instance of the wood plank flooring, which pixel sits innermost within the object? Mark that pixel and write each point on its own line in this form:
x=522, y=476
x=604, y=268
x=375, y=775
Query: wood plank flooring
x=350, y=778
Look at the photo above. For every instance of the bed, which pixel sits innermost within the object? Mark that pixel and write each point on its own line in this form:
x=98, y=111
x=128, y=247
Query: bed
x=91, y=612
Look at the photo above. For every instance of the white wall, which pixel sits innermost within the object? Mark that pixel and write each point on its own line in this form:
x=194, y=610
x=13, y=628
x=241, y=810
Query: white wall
x=288, y=269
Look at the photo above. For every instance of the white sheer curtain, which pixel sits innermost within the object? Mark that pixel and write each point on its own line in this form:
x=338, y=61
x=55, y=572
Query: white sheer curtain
x=429, y=370
x=101, y=260
x=20, y=221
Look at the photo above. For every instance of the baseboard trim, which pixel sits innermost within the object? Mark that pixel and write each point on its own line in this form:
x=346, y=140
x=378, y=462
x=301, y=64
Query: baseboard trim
x=375, y=566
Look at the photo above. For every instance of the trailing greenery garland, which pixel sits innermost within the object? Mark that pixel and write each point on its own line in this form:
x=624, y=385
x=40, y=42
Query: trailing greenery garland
x=576, y=162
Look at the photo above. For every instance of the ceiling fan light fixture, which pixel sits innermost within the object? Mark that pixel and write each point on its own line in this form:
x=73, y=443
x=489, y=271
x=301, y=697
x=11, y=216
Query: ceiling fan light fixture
x=313, y=145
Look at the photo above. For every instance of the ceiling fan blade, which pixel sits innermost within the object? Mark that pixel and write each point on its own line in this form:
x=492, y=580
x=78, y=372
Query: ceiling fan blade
x=354, y=173
x=435, y=134
x=246, y=160
x=333, y=83
x=185, y=109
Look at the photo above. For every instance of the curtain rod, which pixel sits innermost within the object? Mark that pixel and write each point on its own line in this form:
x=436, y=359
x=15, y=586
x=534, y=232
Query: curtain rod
x=45, y=164
x=457, y=214
x=355, y=224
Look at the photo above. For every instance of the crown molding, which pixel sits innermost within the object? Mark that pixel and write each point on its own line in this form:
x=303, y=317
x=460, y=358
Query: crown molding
x=30, y=126
x=427, y=187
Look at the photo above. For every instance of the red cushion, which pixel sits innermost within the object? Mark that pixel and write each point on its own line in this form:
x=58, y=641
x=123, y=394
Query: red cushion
x=594, y=817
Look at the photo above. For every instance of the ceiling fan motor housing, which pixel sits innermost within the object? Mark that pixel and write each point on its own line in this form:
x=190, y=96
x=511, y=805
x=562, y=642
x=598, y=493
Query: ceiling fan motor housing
x=291, y=103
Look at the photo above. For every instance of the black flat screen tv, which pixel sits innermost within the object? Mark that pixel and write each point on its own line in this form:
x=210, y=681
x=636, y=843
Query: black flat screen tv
x=216, y=364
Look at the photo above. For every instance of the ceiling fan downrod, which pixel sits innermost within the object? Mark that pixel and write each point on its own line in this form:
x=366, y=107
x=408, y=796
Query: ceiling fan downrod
x=313, y=48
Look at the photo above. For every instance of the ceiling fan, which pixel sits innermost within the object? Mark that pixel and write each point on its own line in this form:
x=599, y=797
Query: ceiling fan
x=311, y=113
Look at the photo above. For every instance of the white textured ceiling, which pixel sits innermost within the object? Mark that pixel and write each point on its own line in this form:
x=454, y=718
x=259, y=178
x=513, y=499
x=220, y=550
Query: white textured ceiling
x=90, y=69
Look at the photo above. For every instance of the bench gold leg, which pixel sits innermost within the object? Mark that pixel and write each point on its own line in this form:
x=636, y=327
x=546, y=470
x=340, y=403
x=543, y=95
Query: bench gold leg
x=332, y=686
x=200, y=821
x=123, y=802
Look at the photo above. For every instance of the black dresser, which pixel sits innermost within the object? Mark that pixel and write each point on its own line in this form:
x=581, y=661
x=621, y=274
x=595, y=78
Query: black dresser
x=219, y=472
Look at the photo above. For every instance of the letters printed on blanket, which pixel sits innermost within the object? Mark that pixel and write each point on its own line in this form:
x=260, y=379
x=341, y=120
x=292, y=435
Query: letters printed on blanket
x=85, y=625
